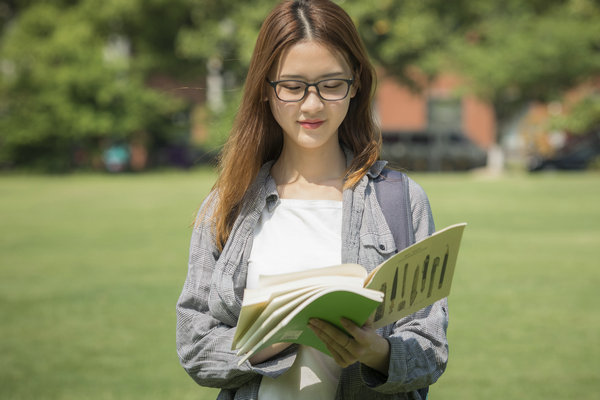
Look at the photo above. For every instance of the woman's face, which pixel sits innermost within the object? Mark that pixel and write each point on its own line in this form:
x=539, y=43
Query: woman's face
x=311, y=123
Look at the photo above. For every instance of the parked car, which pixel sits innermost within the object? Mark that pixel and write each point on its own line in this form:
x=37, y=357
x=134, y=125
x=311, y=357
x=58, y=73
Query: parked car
x=578, y=153
x=426, y=151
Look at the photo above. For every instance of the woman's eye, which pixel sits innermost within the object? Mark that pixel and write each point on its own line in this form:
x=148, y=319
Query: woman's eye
x=332, y=84
x=292, y=87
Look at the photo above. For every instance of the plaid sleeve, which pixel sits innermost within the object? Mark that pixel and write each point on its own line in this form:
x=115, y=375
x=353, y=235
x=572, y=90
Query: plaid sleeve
x=204, y=340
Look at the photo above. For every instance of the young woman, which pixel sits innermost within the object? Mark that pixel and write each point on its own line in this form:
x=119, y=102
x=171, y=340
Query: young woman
x=295, y=191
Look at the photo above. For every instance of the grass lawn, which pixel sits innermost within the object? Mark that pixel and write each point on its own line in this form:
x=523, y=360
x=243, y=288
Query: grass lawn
x=91, y=267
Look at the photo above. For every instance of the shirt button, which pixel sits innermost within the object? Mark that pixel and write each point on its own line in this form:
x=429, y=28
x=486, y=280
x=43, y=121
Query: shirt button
x=381, y=247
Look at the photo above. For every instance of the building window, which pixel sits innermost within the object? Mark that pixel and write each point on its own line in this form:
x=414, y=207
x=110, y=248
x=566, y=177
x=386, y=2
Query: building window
x=444, y=115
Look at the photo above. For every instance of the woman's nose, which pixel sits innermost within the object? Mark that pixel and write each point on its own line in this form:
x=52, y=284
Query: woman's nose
x=312, y=101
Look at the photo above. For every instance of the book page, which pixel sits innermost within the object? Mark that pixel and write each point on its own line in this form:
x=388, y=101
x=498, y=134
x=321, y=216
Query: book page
x=329, y=304
x=269, y=319
x=417, y=276
x=265, y=294
x=251, y=320
x=281, y=285
x=351, y=270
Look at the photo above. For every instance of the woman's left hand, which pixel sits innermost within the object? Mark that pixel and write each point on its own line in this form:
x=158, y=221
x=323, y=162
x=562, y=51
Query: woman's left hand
x=364, y=344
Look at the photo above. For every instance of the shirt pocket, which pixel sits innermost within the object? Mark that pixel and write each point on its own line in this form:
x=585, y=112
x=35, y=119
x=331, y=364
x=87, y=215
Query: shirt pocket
x=375, y=249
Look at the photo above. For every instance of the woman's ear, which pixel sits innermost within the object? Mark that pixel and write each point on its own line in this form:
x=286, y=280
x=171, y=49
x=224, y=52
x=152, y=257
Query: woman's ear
x=353, y=89
x=355, y=85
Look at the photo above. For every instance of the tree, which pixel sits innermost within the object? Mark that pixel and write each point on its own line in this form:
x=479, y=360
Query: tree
x=221, y=38
x=583, y=116
x=74, y=73
x=510, y=53
x=529, y=54
x=62, y=79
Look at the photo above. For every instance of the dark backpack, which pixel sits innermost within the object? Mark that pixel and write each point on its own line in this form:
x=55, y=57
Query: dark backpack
x=391, y=189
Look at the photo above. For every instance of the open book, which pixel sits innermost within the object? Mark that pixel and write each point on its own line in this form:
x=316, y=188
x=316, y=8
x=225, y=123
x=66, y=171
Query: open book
x=279, y=309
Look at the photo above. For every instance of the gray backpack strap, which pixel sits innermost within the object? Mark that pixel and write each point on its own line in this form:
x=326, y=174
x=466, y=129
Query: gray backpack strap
x=391, y=188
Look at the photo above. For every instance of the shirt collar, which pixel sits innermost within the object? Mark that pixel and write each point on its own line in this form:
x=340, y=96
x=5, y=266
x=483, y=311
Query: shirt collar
x=375, y=169
x=267, y=184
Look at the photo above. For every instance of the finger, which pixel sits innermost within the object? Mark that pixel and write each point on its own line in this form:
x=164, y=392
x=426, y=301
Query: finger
x=360, y=334
x=329, y=333
x=334, y=348
x=338, y=343
x=365, y=339
x=340, y=354
x=332, y=332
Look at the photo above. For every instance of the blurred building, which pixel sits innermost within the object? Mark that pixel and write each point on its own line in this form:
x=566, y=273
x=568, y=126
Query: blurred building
x=434, y=128
x=438, y=107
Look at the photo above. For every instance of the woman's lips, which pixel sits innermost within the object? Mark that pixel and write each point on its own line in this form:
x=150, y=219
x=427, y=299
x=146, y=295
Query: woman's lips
x=311, y=124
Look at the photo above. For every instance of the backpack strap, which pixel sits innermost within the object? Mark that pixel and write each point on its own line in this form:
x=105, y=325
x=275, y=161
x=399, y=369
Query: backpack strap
x=391, y=189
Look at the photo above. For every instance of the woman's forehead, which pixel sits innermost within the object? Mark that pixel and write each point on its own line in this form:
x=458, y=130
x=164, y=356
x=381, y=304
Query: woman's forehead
x=311, y=60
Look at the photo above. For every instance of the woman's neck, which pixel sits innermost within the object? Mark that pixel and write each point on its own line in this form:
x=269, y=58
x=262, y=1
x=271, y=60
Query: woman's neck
x=310, y=174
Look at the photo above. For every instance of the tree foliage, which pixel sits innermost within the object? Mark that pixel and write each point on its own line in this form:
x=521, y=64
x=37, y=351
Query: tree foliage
x=74, y=73
x=510, y=53
x=526, y=53
x=583, y=116
x=64, y=79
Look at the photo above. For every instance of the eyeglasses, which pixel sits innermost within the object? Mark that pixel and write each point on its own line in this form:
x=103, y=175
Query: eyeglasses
x=327, y=89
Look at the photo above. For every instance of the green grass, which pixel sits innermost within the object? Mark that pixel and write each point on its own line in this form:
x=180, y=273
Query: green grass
x=524, y=305
x=91, y=267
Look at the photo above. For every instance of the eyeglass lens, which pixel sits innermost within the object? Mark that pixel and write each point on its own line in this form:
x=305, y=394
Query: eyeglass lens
x=331, y=89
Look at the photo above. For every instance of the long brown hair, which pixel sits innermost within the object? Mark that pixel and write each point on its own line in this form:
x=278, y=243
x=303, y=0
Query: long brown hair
x=256, y=137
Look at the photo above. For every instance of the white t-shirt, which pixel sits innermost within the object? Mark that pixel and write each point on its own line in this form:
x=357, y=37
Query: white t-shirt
x=298, y=235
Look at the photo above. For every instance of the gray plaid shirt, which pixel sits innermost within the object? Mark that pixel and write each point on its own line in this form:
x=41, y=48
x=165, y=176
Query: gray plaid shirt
x=210, y=302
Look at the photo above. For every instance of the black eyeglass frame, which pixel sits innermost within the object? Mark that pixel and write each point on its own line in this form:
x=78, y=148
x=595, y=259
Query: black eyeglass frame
x=274, y=84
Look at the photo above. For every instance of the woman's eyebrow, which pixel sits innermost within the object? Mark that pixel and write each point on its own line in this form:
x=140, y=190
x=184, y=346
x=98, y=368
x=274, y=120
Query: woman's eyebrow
x=302, y=77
